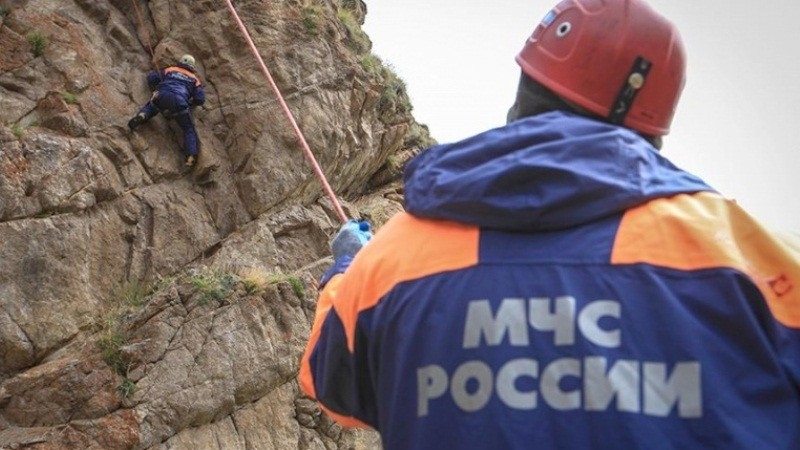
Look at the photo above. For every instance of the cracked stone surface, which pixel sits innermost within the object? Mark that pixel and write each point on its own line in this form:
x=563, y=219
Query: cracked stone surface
x=90, y=213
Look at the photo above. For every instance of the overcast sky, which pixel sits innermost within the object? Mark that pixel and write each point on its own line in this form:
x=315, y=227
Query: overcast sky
x=738, y=121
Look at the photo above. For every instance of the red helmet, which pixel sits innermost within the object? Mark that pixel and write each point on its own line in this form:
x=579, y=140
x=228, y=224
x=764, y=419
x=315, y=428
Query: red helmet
x=616, y=58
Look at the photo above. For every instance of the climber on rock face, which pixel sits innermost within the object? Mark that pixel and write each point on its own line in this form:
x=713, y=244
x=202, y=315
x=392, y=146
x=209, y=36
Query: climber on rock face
x=176, y=89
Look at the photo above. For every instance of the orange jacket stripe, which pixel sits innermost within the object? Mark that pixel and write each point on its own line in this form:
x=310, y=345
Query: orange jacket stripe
x=447, y=246
x=323, y=307
x=188, y=73
x=306, y=379
x=704, y=230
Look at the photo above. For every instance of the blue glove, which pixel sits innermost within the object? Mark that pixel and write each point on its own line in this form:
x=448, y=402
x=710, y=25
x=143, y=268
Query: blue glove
x=351, y=238
x=153, y=78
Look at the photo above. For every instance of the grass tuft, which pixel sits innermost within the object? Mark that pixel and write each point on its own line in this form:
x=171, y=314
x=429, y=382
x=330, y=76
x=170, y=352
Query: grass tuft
x=356, y=38
x=214, y=286
x=255, y=280
x=297, y=284
x=110, y=344
x=38, y=43
x=127, y=388
x=69, y=97
x=311, y=18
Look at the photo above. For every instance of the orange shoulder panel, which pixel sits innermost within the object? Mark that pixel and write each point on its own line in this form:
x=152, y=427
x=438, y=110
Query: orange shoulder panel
x=306, y=378
x=405, y=248
x=323, y=307
x=705, y=230
x=188, y=73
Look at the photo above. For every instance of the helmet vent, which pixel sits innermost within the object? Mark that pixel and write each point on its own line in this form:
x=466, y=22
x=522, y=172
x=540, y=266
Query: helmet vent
x=563, y=29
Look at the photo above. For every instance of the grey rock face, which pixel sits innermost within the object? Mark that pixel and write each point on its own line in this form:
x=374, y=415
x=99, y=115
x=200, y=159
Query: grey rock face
x=144, y=305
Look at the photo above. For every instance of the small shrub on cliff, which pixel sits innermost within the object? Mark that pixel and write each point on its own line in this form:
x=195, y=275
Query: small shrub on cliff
x=253, y=278
x=164, y=283
x=394, y=95
x=392, y=163
x=371, y=64
x=133, y=293
x=127, y=388
x=3, y=12
x=125, y=298
x=252, y=287
x=311, y=19
x=69, y=97
x=297, y=284
x=356, y=38
x=350, y=4
x=18, y=131
x=418, y=136
x=388, y=97
x=213, y=286
x=110, y=344
x=38, y=43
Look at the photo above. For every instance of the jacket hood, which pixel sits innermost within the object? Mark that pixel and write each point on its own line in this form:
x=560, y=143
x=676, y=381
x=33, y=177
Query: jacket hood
x=546, y=172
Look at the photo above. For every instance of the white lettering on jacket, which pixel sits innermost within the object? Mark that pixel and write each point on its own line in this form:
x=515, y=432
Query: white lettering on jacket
x=595, y=384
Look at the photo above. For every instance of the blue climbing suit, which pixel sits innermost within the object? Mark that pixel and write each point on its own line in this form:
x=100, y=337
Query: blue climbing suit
x=175, y=90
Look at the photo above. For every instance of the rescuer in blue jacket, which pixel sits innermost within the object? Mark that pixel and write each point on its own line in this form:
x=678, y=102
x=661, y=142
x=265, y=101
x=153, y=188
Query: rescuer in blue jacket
x=176, y=90
x=557, y=282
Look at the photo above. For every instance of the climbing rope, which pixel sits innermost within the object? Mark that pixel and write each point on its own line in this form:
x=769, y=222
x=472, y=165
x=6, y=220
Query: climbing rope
x=299, y=134
x=144, y=29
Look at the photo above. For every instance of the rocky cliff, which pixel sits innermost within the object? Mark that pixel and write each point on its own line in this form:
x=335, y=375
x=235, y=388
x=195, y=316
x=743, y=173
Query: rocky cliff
x=144, y=305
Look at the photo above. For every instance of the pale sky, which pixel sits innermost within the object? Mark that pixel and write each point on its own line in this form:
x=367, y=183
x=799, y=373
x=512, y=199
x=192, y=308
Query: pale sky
x=738, y=121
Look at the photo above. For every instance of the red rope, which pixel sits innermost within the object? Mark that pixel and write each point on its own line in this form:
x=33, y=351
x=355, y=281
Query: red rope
x=288, y=113
x=146, y=33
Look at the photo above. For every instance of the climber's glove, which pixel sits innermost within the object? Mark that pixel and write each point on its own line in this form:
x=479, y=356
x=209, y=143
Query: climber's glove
x=153, y=78
x=348, y=241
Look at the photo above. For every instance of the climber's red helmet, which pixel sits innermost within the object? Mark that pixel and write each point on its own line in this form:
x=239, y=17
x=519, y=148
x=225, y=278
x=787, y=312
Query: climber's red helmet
x=615, y=58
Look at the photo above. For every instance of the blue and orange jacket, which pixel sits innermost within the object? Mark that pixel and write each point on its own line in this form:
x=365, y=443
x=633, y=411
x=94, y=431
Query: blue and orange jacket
x=557, y=283
x=180, y=84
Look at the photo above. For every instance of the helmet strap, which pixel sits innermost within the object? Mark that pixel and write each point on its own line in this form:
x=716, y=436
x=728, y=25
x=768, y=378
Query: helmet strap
x=627, y=94
x=533, y=98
